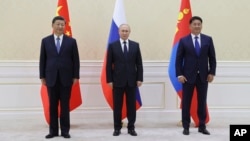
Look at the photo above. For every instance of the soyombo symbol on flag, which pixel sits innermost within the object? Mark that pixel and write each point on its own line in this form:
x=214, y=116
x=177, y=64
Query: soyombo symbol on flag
x=182, y=29
x=118, y=19
x=75, y=99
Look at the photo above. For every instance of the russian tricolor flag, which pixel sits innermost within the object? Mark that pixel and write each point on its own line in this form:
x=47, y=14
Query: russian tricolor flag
x=118, y=19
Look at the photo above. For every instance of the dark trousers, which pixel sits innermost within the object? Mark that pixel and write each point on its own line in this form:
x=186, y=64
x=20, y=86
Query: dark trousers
x=118, y=96
x=59, y=94
x=187, y=95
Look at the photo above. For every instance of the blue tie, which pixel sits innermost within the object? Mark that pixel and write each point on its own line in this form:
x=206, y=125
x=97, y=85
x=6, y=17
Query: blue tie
x=58, y=44
x=197, y=45
x=125, y=50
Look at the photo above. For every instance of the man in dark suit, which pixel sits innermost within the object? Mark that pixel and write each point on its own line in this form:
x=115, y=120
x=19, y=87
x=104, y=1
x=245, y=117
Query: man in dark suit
x=59, y=70
x=124, y=74
x=195, y=67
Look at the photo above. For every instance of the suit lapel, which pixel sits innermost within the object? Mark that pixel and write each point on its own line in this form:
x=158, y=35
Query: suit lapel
x=64, y=40
x=202, y=43
x=191, y=44
x=130, y=50
x=53, y=44
x=119, y=48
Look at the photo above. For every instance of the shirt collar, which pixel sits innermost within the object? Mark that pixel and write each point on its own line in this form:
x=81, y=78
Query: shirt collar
x=61, y=36
x=199, y=35
x=121, y=40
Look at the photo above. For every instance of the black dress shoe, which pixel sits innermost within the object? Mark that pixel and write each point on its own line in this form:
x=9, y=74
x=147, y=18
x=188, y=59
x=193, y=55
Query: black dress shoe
x=116, y=132
x=185, y=132
x=50, y=136
x=65, y=135
x=132, y=132
x=204, y=131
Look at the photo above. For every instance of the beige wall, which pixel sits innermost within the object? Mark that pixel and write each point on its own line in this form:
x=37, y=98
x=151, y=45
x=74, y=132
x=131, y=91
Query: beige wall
x=24, y=22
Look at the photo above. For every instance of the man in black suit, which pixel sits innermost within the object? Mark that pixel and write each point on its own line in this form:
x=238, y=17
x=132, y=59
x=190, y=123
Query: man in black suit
x=59, y=70
x=124, y=74
x=195, y=67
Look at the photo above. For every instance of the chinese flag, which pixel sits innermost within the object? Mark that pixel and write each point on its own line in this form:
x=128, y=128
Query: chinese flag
x=75, y=99
x=182, y=29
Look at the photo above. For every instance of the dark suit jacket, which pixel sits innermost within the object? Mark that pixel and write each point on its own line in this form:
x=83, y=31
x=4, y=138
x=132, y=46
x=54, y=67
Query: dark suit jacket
x=188, y=63
x=66, y=63
x=118, y=70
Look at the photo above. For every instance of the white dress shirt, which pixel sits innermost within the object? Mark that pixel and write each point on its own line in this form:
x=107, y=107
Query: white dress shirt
x=122, y=44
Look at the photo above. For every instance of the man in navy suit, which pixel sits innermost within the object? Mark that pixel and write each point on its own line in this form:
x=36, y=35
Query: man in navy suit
x=59, y=70
x=195, y=67
x=124, y=74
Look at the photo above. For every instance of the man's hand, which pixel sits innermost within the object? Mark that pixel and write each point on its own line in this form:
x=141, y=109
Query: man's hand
x=210, y=78
x=75, y=80
x=182, y=79
x=111, y=84
x=139, y=83
x=43, y=81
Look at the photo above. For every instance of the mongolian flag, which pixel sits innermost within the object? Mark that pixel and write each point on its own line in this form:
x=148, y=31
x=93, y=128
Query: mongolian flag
x=182, y=30
x=118, y=19
x=75, y=99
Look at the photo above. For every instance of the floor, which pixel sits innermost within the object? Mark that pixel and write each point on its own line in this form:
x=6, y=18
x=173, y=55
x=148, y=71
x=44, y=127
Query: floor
x=97, y=126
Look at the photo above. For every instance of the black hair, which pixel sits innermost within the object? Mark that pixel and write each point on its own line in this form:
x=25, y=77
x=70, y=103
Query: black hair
x=58, y=18
x=195, y=18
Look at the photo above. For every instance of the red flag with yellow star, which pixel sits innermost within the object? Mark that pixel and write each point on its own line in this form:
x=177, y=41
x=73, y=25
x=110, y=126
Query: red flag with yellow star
x=75, y=99
x=182, y=30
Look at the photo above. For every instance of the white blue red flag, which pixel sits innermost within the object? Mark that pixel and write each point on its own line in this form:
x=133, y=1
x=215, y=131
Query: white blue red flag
x=118, y=19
